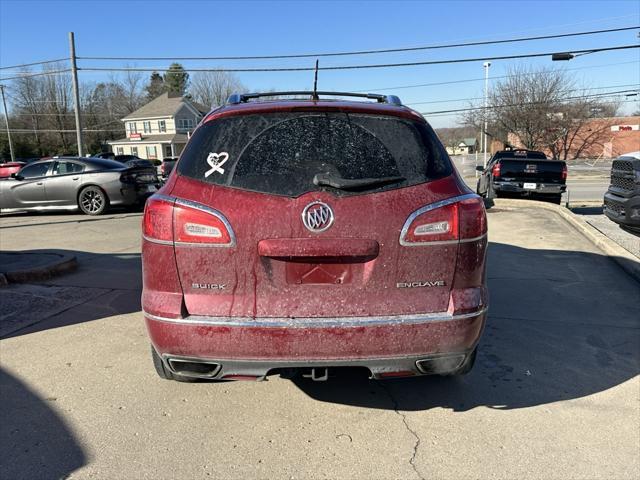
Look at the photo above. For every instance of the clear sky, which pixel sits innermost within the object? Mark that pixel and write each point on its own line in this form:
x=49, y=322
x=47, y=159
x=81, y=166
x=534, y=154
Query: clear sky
x=37, y=30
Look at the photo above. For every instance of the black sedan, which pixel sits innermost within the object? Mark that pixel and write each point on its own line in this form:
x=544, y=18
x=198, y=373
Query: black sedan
x=68, y=183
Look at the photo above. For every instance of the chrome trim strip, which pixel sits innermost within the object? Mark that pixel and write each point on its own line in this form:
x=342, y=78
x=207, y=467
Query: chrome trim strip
x=428, y=208
x=316, y=322
x=159, y=242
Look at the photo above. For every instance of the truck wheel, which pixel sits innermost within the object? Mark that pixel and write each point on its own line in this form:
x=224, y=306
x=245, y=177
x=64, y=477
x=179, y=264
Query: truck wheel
x=466, y=366
x=93, y=201
x=163, y=372
x=557, y=199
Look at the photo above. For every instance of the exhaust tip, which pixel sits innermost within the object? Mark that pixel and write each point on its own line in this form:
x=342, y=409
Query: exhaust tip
x=193, y=368
x=440, y=364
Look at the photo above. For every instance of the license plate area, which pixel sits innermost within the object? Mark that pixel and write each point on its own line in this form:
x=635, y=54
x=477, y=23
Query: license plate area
x=529, y=186
x=298, y=273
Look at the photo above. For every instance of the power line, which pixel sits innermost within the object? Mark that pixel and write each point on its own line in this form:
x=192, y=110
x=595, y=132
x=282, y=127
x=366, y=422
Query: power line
x=360, y=67
x=27, y=75
x=495, y=107
x=449, y=114
x=44, y=62
x=565, y=91
x=479, y=79
x=370, y=52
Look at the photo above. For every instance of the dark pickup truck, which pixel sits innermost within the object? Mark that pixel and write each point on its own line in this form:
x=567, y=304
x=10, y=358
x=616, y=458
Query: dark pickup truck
x=622, y=200
x=523, y=173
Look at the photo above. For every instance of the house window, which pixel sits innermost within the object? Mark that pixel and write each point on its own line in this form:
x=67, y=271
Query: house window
x=162, y=126
x=132, y=127
x=185, y=123
x=152, y=154
x=134, y=151
x=147, y=127
x=119, y=151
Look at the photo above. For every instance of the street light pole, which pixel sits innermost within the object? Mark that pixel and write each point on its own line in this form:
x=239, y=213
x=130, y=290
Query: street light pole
x=486, y=66
x=6, y=120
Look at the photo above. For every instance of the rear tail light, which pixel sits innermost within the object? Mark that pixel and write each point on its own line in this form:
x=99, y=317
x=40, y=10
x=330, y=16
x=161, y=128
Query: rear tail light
x=495, y=171
x=451, y=220
x=157, y=222
x=564, y=172
x=127, y=178
x=197, y=224
x=176, y=221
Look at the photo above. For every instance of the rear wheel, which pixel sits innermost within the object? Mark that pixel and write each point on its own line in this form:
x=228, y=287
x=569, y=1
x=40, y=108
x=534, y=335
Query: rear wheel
x=93, y=201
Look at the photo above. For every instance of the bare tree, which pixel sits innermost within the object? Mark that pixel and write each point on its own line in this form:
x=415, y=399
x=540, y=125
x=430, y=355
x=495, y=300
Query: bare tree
x=540, y=109
x=212, y=88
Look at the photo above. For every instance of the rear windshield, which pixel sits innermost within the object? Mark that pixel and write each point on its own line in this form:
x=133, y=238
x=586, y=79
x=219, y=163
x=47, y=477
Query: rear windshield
x=286, y=153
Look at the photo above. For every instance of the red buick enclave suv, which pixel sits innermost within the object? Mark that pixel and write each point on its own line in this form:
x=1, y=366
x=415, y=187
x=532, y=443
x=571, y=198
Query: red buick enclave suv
x=303, y=235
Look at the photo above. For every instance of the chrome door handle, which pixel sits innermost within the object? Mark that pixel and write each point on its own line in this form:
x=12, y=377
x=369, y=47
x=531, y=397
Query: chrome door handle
x=39, y=183
x=75, y=178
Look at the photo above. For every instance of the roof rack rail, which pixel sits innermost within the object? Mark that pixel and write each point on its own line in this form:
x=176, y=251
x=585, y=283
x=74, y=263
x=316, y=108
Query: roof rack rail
x=236, y=98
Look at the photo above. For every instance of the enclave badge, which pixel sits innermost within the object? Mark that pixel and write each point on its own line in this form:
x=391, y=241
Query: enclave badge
x=436, y=283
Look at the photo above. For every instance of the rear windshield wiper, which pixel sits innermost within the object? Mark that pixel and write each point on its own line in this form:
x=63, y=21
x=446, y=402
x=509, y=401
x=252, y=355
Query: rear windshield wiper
x=325, y=179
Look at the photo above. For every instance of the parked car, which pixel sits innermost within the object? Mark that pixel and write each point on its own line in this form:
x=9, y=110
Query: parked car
x=301, y=235
x=523, y=173
x=67, y=183
x=622, y=200
x=167, y=165
x=6, y=169
x=107, y=155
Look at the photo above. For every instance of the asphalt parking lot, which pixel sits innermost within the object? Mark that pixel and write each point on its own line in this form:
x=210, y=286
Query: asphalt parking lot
x=554, y=393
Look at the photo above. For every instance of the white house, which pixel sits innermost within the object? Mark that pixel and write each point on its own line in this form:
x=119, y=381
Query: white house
x=160, y=128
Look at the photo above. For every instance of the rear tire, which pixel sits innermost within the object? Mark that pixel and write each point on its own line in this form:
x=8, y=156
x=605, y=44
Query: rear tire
x=557, y=199
x=93, y=201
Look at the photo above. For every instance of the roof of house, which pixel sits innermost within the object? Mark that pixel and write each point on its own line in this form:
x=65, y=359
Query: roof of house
x=469, y=142
x=166, y=104
x=160, y=138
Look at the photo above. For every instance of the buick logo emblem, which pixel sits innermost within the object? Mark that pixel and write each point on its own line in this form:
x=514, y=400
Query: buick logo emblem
x=317, y=217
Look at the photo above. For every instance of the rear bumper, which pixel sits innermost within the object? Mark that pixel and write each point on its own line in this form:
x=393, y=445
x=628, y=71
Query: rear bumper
x=623, y=210
x=541, y=188
x=253, y=347
x=130, y=194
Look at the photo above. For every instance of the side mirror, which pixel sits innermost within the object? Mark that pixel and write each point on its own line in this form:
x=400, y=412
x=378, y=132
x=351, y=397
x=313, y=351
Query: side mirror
x=17, y=176
x=479, y=168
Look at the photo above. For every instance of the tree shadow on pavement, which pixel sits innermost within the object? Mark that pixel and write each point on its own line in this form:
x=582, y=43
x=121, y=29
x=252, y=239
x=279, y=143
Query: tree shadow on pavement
x=103, y=285
x=34, y=440
x=562, y=325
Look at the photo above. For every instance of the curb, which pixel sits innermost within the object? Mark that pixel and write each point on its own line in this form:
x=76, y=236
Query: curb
x=629, y=262
x=64, y=264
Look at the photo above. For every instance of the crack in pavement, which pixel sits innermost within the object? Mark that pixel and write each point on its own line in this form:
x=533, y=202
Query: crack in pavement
x=396, y=408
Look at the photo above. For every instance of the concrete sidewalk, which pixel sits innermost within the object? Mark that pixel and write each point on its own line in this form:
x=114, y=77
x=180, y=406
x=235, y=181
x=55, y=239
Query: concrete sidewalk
x=554, y=393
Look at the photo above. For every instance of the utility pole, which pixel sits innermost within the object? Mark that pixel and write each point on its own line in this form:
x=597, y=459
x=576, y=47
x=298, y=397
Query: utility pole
x=6, y=120
x=486, y=66
x=76, y=93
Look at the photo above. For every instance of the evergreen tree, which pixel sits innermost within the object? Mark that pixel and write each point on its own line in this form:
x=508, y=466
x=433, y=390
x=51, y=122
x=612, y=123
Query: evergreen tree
x=176, y=79
x=156, y=86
